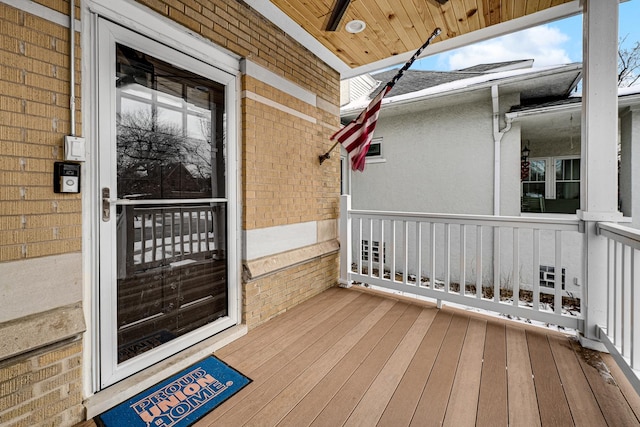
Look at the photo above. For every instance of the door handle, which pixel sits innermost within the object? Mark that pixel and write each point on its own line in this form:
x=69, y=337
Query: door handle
x=106, y=204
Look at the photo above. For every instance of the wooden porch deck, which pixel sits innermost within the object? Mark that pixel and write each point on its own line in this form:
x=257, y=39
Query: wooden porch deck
x=350, y=357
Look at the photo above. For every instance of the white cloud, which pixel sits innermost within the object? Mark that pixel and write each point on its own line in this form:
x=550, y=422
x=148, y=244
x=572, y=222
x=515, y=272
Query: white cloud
x=544, y=44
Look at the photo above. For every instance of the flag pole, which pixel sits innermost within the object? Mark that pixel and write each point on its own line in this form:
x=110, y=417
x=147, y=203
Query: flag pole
x=391, y=83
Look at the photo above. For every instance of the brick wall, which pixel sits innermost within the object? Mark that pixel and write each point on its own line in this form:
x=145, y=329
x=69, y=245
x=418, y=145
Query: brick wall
x=283, y=181
x=34, y=100
x=271, y=295
x=43, y=389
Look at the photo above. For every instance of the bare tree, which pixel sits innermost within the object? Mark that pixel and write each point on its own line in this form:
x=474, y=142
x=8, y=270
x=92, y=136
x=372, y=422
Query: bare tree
x=628, y=64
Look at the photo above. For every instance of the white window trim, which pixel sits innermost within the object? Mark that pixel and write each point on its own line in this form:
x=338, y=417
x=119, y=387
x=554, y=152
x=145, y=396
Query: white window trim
x=379, y=158
x=550, y=174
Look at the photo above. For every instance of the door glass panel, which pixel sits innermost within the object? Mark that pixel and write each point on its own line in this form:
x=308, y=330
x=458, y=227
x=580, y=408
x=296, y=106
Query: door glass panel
x=169, y=130
x=171, y=236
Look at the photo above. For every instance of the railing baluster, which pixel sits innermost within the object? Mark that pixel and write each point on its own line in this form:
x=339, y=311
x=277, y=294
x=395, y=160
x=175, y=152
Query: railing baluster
x=516, y=267
x=418, y=253
x=392, y=274
x=626, y=300
x=617, y=296
x=358, y=228
x=496, y=264
x=432, y=253
x=405, y=267
x=557, y=301
x=536, y=269
x=143, y=238
x=381, y=249
x=463, y=259
x=370, y=253
x=198, y=229
x=154, y=236
x=610, y=285
x=163, y=237
x=447, y=257
x=479, y=261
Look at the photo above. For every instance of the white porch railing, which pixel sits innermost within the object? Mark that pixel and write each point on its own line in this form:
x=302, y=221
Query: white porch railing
x=621, y=334
x=488, y=262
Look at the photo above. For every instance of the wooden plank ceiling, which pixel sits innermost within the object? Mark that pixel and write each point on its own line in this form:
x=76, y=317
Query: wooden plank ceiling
x=398, y=26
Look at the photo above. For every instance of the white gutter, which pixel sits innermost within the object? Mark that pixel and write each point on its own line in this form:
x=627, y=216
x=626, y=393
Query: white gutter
x=497, y=139
x=623, y=101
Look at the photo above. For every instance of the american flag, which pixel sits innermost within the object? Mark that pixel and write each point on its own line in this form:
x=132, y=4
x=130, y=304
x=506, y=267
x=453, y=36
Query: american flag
x=356, y=136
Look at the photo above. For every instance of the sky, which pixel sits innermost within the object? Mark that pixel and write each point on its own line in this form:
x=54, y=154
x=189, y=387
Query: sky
x=558, y=42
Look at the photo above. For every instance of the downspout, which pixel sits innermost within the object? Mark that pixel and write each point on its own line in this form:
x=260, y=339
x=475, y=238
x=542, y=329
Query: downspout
x=72, y=71
x=497, y=138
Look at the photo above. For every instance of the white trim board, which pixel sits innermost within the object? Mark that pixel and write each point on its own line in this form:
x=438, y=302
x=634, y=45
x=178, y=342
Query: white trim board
x=262, y=242
x=266, y=101
x=258, y=72
x=43, y=12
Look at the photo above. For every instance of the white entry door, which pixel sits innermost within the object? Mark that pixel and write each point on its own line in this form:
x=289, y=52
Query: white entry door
x=167, y=231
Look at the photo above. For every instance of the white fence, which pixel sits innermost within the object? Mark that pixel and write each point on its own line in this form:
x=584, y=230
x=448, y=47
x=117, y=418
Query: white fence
x=488, y=262
x=621, y=334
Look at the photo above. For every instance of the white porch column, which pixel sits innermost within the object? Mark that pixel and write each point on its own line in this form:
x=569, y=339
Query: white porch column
x=599, y=187
x=630, y=156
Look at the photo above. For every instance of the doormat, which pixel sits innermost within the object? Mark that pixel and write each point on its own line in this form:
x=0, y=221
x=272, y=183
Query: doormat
x=180, y=400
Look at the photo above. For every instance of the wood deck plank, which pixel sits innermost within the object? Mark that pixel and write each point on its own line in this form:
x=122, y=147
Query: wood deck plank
x=317, y=399
x=521, y=391
x=282, y=403
x=404, y=401
x=582, y=403
x=433, y=403
x=343, y=403
x=463, y=402
x=271, y=330
x=630, y=394
x=492, y=401
x=335, y=366
x=610, y=399
x=279, y=368
x=552, y=402
x=374, y=401
x=247, y=358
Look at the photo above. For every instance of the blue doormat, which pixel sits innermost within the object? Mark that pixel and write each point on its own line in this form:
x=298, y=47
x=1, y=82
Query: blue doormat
x=180, y=400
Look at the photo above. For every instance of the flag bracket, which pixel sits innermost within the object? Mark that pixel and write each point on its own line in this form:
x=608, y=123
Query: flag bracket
x=327, y=155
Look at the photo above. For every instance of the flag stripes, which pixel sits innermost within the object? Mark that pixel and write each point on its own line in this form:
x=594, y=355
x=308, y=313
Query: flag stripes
x=356, y=136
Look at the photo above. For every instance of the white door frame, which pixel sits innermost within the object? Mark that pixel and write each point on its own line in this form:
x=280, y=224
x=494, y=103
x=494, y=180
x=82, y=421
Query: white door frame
x=166, y=42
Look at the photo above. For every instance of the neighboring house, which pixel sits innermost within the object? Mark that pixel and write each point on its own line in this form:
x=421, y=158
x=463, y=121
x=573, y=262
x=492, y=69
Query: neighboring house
x=454, y=143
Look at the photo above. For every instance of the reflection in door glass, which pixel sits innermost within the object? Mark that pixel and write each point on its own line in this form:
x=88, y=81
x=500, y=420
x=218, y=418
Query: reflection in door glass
x=171, y=250
x=170, y=130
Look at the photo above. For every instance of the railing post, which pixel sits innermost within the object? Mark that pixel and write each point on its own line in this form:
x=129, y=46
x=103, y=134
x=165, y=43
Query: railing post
x=598, y=195
x=345, y=241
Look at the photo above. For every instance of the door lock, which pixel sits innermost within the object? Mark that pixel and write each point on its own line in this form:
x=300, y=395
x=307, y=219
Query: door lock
x=106, y=204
